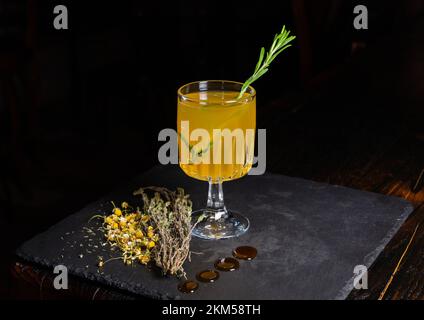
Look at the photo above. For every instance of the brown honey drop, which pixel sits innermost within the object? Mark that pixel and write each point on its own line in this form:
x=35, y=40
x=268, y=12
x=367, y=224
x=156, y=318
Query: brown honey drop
x=245, y=253
x=188, y=286
x=227, y=264
x=208, y=276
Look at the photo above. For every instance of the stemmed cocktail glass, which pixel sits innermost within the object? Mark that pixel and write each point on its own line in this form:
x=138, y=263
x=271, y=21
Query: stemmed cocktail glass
x=216, y=131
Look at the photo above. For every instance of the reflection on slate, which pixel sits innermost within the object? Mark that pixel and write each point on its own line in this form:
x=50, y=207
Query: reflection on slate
x=309, y=237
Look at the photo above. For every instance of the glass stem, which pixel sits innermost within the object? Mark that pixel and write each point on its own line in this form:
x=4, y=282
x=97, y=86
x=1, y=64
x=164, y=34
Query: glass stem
x=215, y=206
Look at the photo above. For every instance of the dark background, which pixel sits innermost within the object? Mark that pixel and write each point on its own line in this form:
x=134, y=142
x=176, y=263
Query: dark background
x=80, y=109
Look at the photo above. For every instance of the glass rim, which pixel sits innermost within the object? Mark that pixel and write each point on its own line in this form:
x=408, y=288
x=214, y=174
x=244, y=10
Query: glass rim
x=250, y=91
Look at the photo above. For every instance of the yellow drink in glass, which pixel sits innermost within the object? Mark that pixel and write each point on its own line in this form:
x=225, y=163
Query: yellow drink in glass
x=228, y=153
x=216, y=139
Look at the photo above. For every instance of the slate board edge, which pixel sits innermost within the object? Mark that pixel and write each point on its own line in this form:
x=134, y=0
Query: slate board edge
x=115, y=284
x=372, y=256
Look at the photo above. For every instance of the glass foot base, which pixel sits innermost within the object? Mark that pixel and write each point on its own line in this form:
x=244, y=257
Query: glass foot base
x=233, y=225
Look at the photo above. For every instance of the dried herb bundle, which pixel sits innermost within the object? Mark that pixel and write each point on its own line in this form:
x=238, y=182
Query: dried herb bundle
x=170, y=212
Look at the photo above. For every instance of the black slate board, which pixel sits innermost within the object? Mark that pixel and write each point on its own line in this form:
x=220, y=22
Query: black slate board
x=309, y=236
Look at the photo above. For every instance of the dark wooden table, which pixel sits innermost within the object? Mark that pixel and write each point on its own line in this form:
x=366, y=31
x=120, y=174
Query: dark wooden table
x=360, y=126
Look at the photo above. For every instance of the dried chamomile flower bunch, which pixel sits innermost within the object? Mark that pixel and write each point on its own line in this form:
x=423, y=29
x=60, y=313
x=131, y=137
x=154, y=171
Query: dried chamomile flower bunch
x=131, y=231
x=170, y=212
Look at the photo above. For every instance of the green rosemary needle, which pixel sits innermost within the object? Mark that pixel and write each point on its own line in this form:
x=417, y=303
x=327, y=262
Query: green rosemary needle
x=281, y=42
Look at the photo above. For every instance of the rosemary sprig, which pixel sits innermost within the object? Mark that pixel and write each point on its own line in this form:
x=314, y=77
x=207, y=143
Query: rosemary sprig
x=281, y=42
